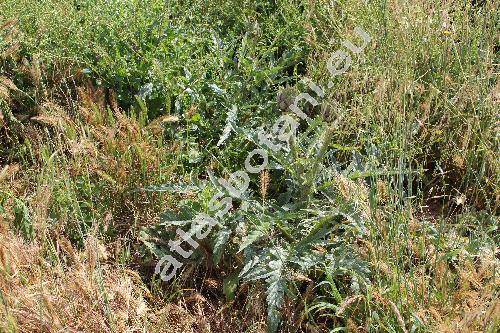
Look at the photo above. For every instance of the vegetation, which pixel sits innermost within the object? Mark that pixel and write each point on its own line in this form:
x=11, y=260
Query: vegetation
x=120, y=118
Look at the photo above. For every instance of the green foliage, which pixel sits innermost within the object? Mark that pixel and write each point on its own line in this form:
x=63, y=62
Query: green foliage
x=281, y=236
x=22, y=220
x=2, y=203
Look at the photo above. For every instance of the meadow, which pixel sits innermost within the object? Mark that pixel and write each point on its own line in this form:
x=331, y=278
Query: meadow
x=126, y=127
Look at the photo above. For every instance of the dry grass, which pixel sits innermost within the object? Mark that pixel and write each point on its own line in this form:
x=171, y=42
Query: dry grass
x=51, y=296
x=79, y=291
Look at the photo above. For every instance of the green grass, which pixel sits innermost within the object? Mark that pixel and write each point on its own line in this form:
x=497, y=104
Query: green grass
x=100, y=99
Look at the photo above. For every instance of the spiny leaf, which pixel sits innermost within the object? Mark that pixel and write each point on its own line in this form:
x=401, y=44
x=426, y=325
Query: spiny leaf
x=275, y=297
x=220, y=242
x=230, y=124
x=253, y=236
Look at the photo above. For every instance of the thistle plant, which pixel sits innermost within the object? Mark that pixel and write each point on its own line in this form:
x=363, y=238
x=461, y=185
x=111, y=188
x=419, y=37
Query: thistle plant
x=307, y=225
